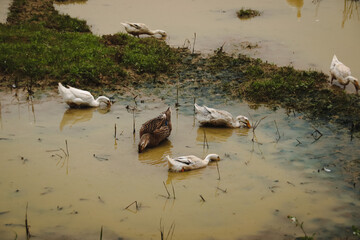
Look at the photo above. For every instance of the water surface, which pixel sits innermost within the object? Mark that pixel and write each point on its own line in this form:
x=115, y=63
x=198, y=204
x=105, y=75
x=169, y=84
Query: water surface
x=261, y=182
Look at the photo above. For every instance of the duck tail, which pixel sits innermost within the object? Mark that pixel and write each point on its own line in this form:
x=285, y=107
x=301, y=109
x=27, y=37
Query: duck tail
x=334, y=61
x=61, y=89
x=197, y=108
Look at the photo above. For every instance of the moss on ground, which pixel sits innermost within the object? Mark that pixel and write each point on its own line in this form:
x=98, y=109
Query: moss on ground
x=247, y=13
x=32, y=51
x=144, y=55
x=43, y=12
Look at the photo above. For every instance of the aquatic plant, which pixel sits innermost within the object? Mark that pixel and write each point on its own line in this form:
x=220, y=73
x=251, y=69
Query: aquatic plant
x=247, y=13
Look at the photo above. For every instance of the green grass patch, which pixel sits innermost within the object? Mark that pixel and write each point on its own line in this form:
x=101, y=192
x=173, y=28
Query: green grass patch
x=43, y=12
x=33, y=51
x=144, y=55
x=247, y=13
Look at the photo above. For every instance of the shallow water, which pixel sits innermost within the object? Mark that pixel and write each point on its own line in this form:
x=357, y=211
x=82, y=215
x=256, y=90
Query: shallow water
x=4, y=9
x=260, y=183
x=302, y=33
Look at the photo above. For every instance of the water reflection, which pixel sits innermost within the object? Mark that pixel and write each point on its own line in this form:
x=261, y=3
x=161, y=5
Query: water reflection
x=183, y=175
x=219, y=134
x=351, y=9
x=156, y=156
x=65, y=2
x=298, y=4
x=74, y=116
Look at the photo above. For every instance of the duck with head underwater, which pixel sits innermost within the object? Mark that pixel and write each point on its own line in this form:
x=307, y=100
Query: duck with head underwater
x=77, y=98
x=156, y=130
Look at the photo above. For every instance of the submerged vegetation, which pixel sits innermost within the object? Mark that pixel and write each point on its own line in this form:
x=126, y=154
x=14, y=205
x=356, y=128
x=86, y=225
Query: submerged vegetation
x=247, y=13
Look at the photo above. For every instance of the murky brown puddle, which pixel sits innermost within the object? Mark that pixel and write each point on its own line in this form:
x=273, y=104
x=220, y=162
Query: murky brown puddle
x=260, y=183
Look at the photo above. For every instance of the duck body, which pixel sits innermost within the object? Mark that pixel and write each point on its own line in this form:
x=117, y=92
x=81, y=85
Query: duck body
x=137, y=29
x=156, y=130
x=80, y=98
x=219, y=118
x=342, y=74
x=191, y=162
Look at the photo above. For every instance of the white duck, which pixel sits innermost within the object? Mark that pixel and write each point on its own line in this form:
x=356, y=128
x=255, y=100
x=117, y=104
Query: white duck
x=219, y=118
x=342, y=73
x=79, y=98
x=191, y=162
x=137, y=29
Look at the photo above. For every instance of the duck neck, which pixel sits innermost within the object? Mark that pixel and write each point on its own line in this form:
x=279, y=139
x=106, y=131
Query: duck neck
x=236, y=124
x=208, y=158
x=95, y=103
x=144, y=141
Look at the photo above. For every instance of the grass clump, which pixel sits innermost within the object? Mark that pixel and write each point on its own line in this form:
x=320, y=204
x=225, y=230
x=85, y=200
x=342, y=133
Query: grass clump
x=43, y=12
x=144, y=55
x=247, y=13
x=32, y=51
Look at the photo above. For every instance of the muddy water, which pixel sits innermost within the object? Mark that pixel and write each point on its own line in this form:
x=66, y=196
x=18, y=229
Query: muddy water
x=302, y=33
x=4, y=9
x=260, y=183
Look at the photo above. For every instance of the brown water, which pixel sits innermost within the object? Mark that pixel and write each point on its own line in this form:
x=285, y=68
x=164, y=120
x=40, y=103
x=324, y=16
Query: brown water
x=302, y=33
x=72, y=197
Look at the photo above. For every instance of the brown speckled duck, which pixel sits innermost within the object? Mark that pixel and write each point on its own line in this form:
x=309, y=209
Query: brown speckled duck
x=155, y=130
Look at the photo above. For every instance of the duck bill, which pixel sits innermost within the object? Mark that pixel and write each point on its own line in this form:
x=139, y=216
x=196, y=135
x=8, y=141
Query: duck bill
x=248, y=124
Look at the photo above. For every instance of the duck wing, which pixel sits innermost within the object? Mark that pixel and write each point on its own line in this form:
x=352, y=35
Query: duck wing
x=153, y=124
x=65, y=93
x=138, y=26
x=187, y=160
x=334, y=62
x=159, y=135
x=341, y=71
x=212, y=116
x=82, y=94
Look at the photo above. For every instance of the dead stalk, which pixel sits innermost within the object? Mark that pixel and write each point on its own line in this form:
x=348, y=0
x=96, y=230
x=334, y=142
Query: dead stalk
x=28, y=235
x=136, y=205
x=316, y=134
x=205, y=141
x=101, y=232
x=170, y=231
x=255, y=125
x=217, y=166
x=193, y=50
x=166, y=189
x=67, y=149
x=224, y=191
x=115, y=131
x=277, y=131
x=202, y=198
x=173, y=189
x=133, y=121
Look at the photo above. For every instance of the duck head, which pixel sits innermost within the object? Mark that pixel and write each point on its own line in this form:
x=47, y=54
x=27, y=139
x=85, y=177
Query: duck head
x=213, y=157
x=355, y=82
x=103, y=99
x=241, y=120
x=144, y=141
x=161, y=32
